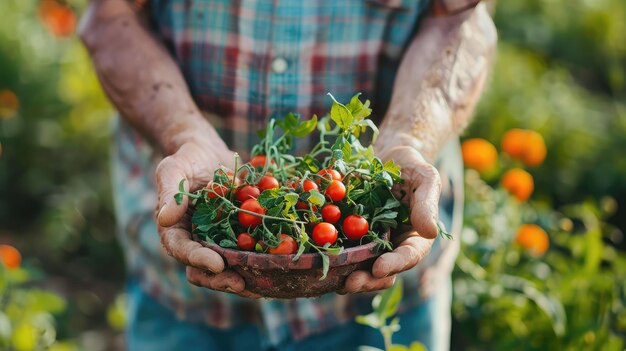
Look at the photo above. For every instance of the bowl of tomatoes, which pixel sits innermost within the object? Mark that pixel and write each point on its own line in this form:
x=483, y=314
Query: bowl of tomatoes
x=297, y=226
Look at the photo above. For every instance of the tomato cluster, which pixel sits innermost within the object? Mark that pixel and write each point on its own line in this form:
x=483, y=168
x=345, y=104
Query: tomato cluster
x=322, y=224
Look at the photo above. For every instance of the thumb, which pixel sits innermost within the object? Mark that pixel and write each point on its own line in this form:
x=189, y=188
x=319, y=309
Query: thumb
x=168, y=175
x=426, y=186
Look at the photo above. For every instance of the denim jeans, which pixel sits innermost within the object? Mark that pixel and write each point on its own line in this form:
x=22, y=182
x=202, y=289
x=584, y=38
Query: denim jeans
x=152, y=327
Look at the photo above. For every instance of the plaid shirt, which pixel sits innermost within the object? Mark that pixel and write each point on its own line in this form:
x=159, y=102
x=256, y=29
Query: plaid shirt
x=244, y=63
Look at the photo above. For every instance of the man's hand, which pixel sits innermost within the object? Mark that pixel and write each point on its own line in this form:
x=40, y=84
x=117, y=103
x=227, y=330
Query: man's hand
x=422, y=186
x=194, y=162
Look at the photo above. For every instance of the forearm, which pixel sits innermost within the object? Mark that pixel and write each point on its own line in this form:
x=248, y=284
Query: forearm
x=141, y=79
x=439, y=81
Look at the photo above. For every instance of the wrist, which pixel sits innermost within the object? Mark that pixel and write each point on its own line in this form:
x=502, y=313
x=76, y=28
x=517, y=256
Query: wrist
x=194, y=129
x=390, y=141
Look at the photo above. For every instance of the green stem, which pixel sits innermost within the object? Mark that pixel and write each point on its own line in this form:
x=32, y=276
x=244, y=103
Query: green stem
x=269, y=217
x=387, y=340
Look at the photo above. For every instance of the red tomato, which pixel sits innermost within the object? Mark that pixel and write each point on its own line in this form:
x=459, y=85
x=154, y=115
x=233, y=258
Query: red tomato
x=331, y=213
x=249, y=220
x=222, y=189
x=245, y=242
x=216, y=190
x=336, y=191
x=309, y=185
x=287, y=246
x=268, y=182
x=329, y=174
x=324, y=233
x=259, y=161
x=292, y=183
x=248, y=192
x=301, y=205
x=355, y=227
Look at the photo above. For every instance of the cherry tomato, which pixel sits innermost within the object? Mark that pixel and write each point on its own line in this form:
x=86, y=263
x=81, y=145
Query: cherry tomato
x=355, y=227
x=292, y=183
x=248, y=192
x=287, y=246
x=268, y=182
x=309, y=185
x=336, y=191
x=249, y=220
x=222, y=189
x=331, y=213
x=301, y=205
x=216, y=189
x=324, y=233
x=259, y=161
x=245, y=242
x=329, y=174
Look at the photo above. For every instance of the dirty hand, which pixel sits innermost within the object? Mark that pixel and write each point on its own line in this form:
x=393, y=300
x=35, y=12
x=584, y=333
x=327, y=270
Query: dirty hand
x=422, y=186
x=194, y=162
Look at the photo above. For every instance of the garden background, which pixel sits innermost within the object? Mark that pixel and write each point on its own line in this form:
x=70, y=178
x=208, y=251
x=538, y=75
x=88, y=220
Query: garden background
x=560, y=70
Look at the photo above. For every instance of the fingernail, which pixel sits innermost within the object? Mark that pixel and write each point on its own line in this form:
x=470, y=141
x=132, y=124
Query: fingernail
x=162, y=210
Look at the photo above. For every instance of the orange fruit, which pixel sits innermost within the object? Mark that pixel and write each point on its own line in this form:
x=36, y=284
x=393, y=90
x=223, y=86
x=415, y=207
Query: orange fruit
x=536, y=149
x=479, y=154
x=527, y=146
x=513, y=142
x=519, y=183
x=59, y=19
x=532, y=238
x=10, y=256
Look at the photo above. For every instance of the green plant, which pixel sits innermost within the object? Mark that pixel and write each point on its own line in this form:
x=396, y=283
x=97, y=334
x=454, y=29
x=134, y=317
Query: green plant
x=385, y=306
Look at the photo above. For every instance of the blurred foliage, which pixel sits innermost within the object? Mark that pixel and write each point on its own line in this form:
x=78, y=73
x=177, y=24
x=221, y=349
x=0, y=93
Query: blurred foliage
x=560, y=70
x=510, y=295
x=27, y=314
x=55, y=202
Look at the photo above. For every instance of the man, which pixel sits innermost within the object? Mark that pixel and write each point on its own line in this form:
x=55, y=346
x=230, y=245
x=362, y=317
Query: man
x=194, y=80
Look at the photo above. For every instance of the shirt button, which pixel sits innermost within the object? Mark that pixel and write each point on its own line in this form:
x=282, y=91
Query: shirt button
x=279, y=65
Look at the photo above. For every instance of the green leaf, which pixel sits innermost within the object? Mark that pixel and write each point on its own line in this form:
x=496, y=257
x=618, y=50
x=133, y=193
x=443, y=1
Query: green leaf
x=288, y=122
x=305, y=128
x=393, y=169
x=204, y=214
x=391, y=202
x=389, y=301
x=325, y=265
x=316, y=198
x=179, y=196
x=384, y=178
x=358, y=109
x=290, y=200
x=44, y=301
x=371, y=320
x=340, y=114
x=333, y=250
x=397, y=347
x=347, y=151
x=228, y=244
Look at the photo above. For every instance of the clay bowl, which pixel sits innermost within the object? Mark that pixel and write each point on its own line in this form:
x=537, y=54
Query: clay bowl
x=278, y=276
